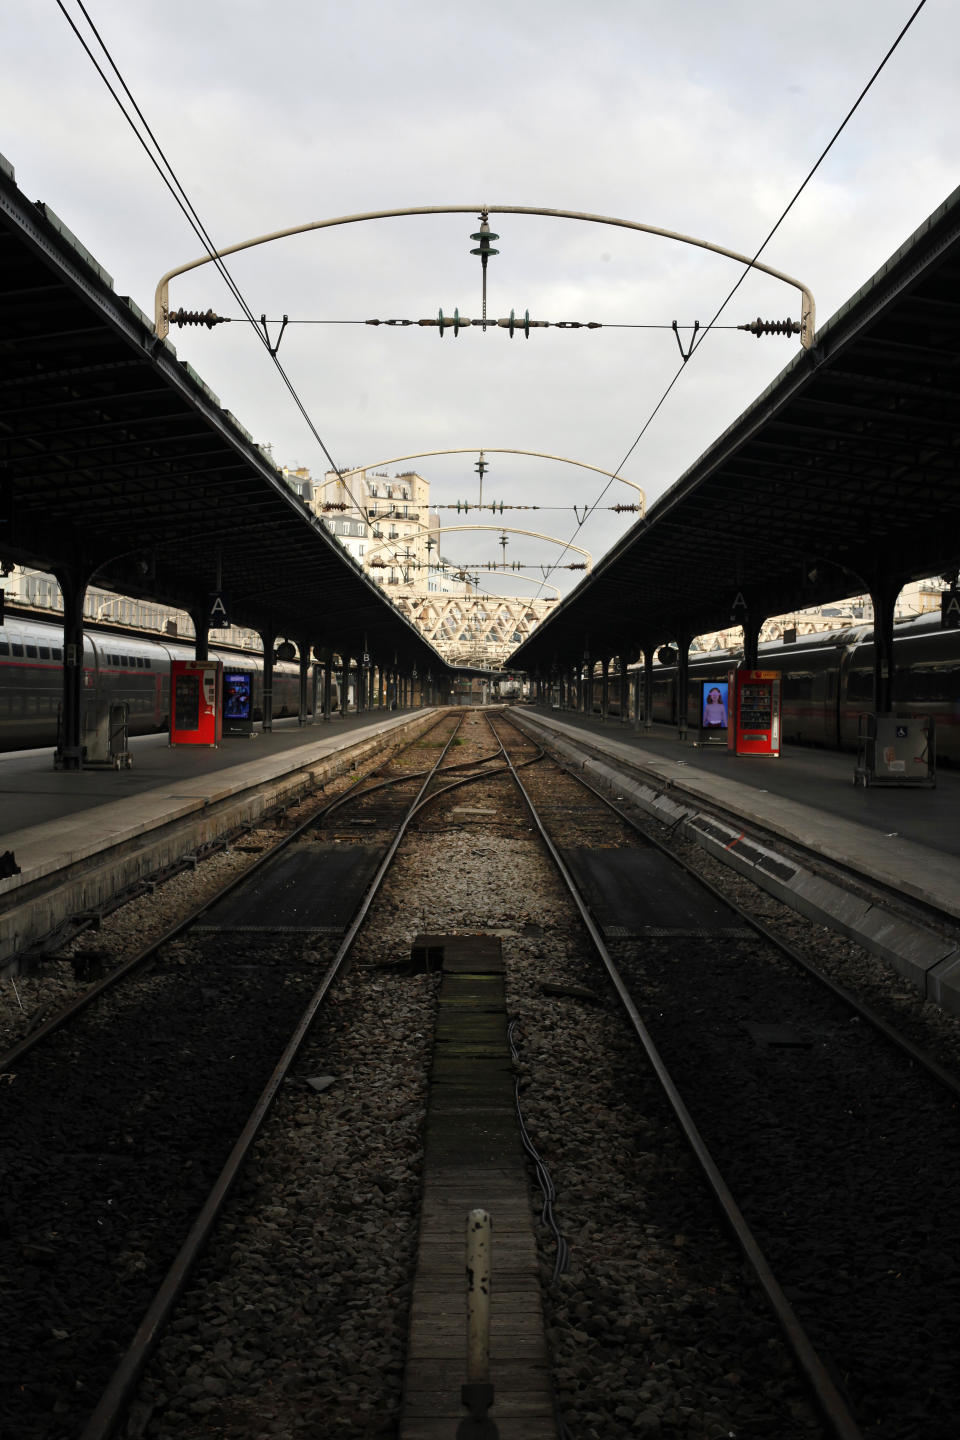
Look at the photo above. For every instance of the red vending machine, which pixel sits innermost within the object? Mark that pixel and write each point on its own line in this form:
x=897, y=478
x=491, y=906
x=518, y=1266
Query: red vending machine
x=754, y=727
x=196, y=702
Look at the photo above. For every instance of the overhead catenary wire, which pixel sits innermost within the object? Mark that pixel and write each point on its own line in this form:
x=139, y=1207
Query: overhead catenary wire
x=492, y=325
x=173, y=184
x=712, y=325
x=169, y=177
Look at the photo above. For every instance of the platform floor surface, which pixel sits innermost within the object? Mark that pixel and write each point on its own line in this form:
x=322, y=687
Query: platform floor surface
x=822, y=779
x=33, y=793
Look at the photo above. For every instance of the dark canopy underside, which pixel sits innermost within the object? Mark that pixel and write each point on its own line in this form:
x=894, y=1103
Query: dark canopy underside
x=841, y=478
x=118, y=464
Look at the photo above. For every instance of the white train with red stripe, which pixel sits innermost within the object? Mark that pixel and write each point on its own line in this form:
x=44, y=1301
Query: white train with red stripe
x=115, y=667
x=828, y=683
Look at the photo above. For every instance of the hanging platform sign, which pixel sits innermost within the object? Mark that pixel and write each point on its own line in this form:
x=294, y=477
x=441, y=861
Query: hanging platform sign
x=218, y=617
x=950, y=610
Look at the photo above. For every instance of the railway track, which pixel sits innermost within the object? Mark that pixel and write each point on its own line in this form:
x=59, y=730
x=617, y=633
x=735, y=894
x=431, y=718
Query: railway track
x=294, y=1318
x=170, y=1074
x=828, y=1130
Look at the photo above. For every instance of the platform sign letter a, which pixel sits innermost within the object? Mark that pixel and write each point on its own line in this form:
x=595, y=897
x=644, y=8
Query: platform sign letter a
x=950, y=610
x=218, y=612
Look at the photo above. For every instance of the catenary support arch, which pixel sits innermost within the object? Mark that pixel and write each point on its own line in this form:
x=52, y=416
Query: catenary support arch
x=382, y=544
x=498, y=450
x=490, y=598
x=807, y=306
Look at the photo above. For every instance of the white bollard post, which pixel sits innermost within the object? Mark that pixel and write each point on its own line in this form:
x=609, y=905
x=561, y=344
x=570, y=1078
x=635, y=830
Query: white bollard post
x=478, y=1295
x=477, y=1393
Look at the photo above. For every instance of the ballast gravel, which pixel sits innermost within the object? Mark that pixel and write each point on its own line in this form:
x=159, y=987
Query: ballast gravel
x=295, y=1321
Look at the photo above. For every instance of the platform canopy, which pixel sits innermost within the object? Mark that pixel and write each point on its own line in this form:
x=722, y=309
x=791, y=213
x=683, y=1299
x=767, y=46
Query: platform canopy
x=119, y=465
x=842, y=478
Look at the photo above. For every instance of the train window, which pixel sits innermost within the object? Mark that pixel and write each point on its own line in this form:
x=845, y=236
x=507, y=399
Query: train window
x=44, y=652
x=57, y=653
x=923, y=684
x=148, y=664
x=797, y=686
x=860, y=685
x=31, y=652
x=16, y=648
x=139, y=662
x=4, y=647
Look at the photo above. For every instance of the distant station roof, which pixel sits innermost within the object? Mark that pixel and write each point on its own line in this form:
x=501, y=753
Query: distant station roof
x=115, y=457
x=842, y=476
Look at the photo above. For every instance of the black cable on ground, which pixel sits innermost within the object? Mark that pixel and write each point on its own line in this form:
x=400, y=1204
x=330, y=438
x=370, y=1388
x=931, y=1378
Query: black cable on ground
x=562, y=1261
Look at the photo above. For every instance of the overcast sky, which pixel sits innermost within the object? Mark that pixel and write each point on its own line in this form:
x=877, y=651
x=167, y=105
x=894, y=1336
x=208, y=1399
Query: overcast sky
x=697, y=116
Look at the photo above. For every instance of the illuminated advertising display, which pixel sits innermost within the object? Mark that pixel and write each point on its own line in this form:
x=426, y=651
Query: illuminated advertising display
x=237, y=702
x=714, y=714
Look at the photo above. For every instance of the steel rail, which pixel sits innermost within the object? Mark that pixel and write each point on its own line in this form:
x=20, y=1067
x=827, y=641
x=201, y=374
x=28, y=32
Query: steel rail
x=113, y=1402
x=825, y=1392
x=142, y=957
x=933, y=1068
x=401, y=780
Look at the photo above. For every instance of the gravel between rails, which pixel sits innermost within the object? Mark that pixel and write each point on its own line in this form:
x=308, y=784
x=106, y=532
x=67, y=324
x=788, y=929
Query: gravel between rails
x=30, y=999
x=296, y=1320
x=843, y=961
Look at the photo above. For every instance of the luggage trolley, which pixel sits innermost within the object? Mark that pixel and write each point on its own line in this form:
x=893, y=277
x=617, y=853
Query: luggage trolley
x=105, y=740
x=896, y=750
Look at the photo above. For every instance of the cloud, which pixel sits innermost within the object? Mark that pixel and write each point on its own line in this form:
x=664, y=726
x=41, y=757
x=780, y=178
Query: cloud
x=693, y=116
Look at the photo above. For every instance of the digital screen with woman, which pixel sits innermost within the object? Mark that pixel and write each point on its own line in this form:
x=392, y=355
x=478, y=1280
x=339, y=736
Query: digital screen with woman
x=713, y=715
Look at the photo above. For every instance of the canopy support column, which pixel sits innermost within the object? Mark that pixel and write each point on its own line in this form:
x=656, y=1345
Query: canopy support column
x=647, y=690
x=683, y=663
x=884, y=594
x=267, y=637
x=69, y=753
x=303, y=649
x=751, y=640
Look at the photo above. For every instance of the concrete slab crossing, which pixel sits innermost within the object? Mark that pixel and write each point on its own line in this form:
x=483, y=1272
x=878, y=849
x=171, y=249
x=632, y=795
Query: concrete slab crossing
x=474, y=1159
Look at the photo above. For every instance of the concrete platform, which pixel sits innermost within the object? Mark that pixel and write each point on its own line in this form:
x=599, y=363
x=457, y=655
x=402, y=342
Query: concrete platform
x=79, y=837
x=748, y=810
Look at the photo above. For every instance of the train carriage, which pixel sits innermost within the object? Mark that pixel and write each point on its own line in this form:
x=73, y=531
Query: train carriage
x=828, y=683
x=116, y=667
